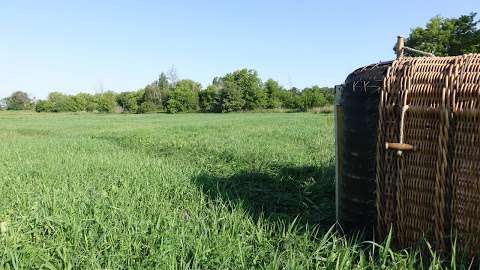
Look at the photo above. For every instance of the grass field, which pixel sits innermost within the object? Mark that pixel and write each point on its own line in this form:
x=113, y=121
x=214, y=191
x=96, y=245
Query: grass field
x=201, y=191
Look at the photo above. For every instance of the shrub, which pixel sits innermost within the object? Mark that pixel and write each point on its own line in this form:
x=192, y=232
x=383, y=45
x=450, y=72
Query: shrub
x=62, y=103
x=291, y=99
x=81, y=101
x=147, y=107
x=106, y=102
x=317, y=97
x=209, y=99
x=43, y=106
x=91, y=106
x=128, y=101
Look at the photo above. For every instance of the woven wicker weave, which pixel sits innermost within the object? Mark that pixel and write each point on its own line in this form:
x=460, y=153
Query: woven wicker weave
x=434, y=189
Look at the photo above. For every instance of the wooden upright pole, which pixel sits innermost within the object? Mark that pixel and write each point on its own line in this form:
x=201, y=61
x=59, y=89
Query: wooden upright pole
x=400, y=46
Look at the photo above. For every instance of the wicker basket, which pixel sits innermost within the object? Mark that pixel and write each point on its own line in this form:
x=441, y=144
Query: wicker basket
x=428, y=151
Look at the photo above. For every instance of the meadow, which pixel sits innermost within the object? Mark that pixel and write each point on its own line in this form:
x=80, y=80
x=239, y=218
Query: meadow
x=160, y=191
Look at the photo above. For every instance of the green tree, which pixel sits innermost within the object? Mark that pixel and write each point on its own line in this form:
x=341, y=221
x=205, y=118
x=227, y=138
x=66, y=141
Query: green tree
x=447, y=36
x=81, y=100
x=249, y=84
x=164, y=86
x=129, y=101
x=105, y=102
x=273, y=91
x=60, y=102
x=153, y=94
x=43, y=106
x=162, y=82
x=209, y=99
x=231, y=97
x=313, y=97
x=18, y=101
x=184, y=97
x=292, y=99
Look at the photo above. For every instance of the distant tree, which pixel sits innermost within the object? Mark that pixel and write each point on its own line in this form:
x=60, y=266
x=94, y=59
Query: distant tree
x=313, y=97
x=59, y=102
x=106, y=102
x=317, y=97
x=131, y=105
x=153, y=94
x=209, y=99
x=292, y=99
x=128, y=101
x=273, y=91
x=250, y=85
x=43, y=106
x=329, y=93
x=158, y=91
x=18, y=101
x=140, y=96
x=447, y=36
x=162, y=81
x=164, y=86
x=81, y=100
x=184, y=97
x=231, y=97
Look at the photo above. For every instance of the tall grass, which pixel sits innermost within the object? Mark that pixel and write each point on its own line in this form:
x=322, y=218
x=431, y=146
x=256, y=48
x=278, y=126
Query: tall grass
x=199, y=191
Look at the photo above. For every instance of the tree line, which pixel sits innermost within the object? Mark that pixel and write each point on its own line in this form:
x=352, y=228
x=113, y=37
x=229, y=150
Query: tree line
x=241, y=90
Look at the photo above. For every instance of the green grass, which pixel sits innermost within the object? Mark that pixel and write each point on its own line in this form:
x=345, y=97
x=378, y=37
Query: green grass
x=200, y=191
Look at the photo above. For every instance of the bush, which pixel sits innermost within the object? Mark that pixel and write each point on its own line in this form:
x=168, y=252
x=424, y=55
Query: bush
x=147, y=107
x=91, y=106
x=128, y=101
x=81, y=101
x=43, y=106
x=62, y=103
x=317, y=97
x=291, y=99
x=209, y=99
x=106, y=102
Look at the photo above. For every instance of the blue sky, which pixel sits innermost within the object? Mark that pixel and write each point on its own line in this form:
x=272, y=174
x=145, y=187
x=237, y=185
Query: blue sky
x=73, y=46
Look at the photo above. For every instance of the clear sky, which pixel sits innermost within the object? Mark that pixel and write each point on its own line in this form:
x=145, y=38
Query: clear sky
x=73, y=46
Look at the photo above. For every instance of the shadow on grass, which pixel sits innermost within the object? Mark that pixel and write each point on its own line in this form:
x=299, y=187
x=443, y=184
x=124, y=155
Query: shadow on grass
x=282, y=193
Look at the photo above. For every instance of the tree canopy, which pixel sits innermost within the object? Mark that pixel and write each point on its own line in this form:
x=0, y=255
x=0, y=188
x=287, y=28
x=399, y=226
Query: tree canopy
x=447, y=36
x=18, y=101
